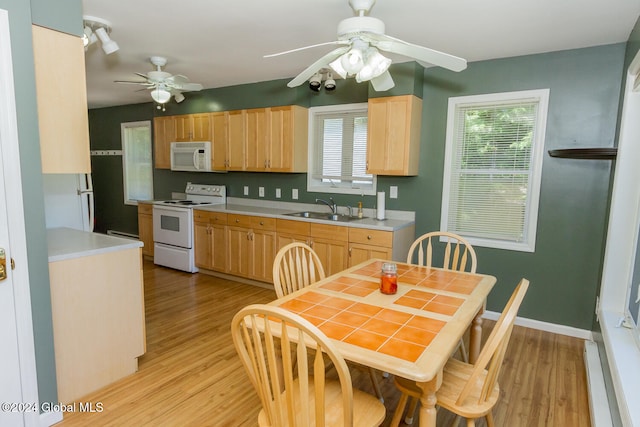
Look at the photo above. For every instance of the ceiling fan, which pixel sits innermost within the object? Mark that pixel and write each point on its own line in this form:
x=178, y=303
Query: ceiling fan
x=362, y=38
x=162, y=84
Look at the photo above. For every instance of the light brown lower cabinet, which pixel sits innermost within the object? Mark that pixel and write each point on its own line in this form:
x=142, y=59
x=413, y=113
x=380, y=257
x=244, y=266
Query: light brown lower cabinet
x=250, y=243
x=210, y=240
x=145, y=227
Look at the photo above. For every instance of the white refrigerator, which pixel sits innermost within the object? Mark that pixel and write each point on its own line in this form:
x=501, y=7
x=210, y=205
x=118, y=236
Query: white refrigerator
x=68, y=201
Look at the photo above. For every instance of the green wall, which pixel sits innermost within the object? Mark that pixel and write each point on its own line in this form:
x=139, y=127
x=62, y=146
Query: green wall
x=21, y=13
x=584, y=91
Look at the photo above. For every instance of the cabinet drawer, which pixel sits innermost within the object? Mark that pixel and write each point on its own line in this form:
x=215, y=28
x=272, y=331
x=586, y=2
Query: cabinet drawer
x=214, y=218
x=292, y=227
x=329, y=232
x=263, y=223
x=239, y=220
x=371, y=237
x=145, y=208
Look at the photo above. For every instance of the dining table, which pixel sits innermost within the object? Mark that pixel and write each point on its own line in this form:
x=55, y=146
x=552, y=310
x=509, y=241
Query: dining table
x=411, y=333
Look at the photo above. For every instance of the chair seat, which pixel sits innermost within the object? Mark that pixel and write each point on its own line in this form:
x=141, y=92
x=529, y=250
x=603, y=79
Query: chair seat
x=455, y=376
x=367, y=410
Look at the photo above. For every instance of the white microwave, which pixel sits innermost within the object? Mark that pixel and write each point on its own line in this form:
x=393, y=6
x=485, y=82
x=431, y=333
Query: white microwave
x=191, y=156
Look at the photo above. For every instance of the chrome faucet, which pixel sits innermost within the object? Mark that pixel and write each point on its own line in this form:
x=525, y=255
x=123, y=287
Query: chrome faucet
x=332, y=205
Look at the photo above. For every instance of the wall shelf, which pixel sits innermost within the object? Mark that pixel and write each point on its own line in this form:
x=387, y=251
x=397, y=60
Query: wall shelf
x=585, y=153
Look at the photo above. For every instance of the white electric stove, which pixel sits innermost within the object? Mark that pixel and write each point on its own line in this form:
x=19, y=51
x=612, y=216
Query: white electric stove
x=173, y=225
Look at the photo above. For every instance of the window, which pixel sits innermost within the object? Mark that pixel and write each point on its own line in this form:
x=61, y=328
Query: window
x=338, y=150
x=493, y=163
x=137, y=162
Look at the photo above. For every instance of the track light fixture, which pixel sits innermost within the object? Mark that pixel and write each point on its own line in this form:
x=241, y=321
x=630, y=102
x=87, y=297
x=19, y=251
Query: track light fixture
x=97, y=28
x=315, y=82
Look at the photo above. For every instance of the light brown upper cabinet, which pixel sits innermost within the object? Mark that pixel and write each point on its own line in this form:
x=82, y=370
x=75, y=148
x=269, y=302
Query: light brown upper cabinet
x=193, y=127
x=164, y=132
x=394, y=135
x=236, y=143
x=288, y=142
x=256, y=142
x=62, y=101
x=220, y=134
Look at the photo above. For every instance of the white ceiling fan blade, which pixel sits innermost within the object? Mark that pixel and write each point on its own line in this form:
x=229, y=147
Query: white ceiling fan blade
x=316, y=66
x=382, y=82
x=188, y=87
x=144, y=76
x=420, y=53
x=133, y=83
x=306, y=47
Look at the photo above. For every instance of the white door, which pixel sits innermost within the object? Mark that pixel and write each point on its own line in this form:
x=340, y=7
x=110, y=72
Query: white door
x=18, y=385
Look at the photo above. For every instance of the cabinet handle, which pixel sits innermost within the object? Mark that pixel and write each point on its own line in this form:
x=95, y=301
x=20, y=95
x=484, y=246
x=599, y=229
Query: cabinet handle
x=350, y=249
x=237, y=220
x=369, y=237
x=310, y=243
x=261, y=222
x=269, y=164
x=265, y=164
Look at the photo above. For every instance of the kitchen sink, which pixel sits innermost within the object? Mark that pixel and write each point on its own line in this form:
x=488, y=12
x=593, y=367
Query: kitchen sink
x=324, y=216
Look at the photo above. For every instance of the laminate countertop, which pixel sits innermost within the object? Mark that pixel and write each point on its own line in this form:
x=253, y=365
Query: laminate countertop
x=68, y=243
x=389, y=224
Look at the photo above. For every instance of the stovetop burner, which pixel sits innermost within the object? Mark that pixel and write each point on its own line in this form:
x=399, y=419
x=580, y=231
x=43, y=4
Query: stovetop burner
x=185, y=202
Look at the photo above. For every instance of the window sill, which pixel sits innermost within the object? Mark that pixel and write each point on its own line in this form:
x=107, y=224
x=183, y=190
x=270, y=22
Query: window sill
x=623, y=355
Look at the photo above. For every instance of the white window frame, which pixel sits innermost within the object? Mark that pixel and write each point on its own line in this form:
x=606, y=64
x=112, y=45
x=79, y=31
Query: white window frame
x=123, y=127
x=535, y=167
x=316, y=185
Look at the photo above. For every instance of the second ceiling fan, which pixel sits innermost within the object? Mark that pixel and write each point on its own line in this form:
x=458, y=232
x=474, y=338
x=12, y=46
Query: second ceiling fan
x=361, y=38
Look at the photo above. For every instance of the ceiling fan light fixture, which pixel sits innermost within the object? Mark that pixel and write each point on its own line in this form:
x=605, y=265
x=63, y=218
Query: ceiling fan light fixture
x=375, y=65
x=352, y=61
x=160, y=95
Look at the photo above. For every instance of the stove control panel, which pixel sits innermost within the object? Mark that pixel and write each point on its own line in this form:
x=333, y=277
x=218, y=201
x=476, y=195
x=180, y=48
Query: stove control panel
x=206, y=190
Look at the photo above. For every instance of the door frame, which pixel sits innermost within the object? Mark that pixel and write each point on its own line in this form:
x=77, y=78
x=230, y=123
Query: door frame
x=10, y=150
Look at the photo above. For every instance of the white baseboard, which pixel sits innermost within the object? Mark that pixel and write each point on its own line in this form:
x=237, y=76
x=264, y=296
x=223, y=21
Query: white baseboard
x=598, y=402
x=50, y=418
x=544, y=326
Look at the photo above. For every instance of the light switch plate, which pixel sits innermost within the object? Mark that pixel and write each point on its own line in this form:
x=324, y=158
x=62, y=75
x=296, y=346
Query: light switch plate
x=294, y=194
x=260, y=191
x=246, y=190
x=393, y=192
x=278, y=193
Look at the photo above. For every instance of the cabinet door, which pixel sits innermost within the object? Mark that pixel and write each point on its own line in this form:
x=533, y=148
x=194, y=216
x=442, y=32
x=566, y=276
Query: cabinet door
x=236, y=133
x=288, y=139
x=184, y=128
x=218, y=236
x=263, y=253
x=219, y=141
x=283, y=239
x=332, y=254
x=201, y=127
x=238, y=245
x=164, y=132
x=359, y=253
x=256, y=139
x=202, y=244
x=62, y=101
x=145, y=233
x=394, y=135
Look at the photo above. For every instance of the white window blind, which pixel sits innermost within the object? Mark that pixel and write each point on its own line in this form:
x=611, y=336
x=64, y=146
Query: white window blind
x=492, y=168
x=338, y=154
x=137, y=161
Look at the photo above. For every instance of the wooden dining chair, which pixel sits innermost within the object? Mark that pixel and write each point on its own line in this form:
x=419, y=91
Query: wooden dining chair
x=458, y=254
x=297, y=393
x=470, y=391
x=295, y=266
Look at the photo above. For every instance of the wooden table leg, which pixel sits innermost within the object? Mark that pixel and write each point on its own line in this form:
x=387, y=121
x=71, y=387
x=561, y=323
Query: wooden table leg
x=475, y=337
x=428, y=401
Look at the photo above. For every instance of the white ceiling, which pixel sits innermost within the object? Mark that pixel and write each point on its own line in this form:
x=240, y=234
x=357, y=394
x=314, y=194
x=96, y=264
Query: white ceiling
x=222, y=43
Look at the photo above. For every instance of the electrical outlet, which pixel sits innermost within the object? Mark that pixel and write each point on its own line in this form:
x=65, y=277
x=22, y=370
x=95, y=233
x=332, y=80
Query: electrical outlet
x=393, y=192
x=294, y=194
x=246, y=190
x=260, y=191
x=278, y=193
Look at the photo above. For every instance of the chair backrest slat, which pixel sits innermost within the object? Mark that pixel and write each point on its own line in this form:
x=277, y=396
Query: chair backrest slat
x=295, y=266
x=458, y=254
x=490, y=359
x=291, y=390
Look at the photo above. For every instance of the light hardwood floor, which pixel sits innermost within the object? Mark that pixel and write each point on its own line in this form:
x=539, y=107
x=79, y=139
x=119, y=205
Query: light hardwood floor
x=191, y=376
